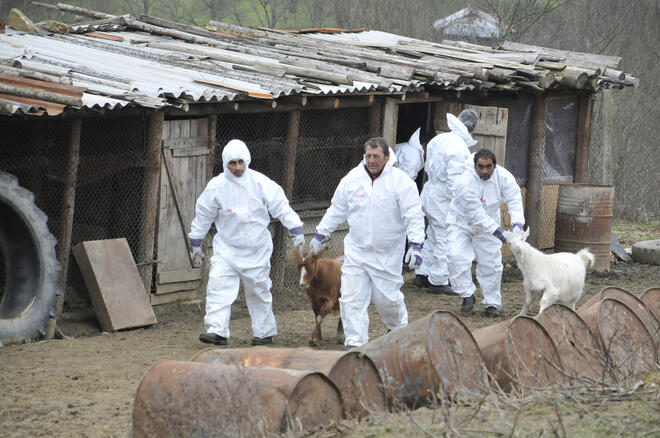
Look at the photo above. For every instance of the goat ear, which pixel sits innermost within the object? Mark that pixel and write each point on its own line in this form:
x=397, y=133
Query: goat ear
x=321, y=253
x=295, y=254
x=526, y=234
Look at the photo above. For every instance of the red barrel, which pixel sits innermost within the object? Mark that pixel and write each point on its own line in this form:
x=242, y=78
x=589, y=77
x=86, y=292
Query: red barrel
x=584, y=219
x=577, y=346
x=354, y=374
x=433, y=357
x=635, y=304
x=520, y=353
x=621, y=335
x=181, y=399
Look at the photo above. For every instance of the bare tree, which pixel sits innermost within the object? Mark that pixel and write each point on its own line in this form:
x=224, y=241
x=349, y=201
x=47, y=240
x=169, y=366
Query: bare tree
x=272, y=12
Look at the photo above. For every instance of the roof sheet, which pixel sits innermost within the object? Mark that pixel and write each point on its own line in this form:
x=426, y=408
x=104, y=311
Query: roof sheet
x=152, y=63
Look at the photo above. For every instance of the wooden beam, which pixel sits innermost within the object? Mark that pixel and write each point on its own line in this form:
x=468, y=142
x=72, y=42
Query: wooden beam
x=375, y=119
x=535, y=167
x=585, y=111
x=66, y=220
x=210, y=164
x=154, y=141
x=290, y=153
x=390, y=119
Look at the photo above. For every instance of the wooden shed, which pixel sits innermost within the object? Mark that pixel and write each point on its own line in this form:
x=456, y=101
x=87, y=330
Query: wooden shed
x=117, y=126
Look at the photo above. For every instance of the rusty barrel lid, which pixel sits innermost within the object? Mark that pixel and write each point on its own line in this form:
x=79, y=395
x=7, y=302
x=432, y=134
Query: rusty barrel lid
x=635, y=304
x=577, y=346
x=520, y=353
x=432, y=357
x=353, y=372
x=177, y=399
x=621, y=335
x=651, y=297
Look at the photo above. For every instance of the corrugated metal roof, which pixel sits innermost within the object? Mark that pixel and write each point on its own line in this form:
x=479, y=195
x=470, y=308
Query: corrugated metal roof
x=174, y=64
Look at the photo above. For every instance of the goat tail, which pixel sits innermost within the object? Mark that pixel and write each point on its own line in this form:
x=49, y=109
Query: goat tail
x=587, y=257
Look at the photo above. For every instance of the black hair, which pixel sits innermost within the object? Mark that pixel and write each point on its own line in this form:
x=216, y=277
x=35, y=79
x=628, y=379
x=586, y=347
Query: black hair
x=485, y=153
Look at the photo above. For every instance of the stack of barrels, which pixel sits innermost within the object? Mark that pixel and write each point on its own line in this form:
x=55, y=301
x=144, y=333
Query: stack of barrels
x=267, y=391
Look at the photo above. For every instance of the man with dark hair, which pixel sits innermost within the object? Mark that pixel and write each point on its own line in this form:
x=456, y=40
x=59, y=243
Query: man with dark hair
x=446, y=158
x=474, y=231
x=382, y=207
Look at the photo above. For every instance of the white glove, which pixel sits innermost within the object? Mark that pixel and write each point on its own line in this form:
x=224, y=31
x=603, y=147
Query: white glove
x=318, y=243
x=414, y=255
x=196, y=253
x=518, y=228
x=298, y=239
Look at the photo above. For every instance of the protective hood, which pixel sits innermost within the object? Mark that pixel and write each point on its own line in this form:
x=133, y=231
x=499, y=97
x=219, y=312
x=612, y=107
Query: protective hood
x=458, y=128
x=235, y=150
x=414, y=140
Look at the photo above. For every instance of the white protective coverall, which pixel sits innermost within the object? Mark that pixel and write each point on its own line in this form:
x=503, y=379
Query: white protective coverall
x=380, y=213
x=446, y=158
x=410, y=155
x=242, y=246
x=474, y=214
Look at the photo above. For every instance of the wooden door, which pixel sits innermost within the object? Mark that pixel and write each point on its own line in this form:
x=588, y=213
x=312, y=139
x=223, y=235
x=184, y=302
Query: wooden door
x=183, y=177
x=491, y=129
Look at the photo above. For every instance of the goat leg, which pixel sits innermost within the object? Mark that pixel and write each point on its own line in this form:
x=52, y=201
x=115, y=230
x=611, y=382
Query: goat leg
x=316, y=337
x=529, y=297
x=340, y=331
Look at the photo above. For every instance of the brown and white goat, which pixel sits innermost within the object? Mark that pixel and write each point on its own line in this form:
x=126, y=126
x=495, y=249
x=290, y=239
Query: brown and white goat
x=321, y=278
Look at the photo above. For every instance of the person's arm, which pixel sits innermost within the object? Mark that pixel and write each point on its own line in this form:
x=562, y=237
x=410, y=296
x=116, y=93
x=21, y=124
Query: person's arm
x=206, y=210
x=410, y=207
x=336, y=213
x=468, y=203
x=278, y=205
x=512, y=196
x=456, y=165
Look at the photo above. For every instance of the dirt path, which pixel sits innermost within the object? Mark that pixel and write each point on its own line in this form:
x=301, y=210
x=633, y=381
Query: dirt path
x=85, y=386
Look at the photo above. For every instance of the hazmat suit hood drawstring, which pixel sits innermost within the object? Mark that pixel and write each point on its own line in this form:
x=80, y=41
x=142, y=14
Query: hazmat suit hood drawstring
x=458, y=128
x=235, y=150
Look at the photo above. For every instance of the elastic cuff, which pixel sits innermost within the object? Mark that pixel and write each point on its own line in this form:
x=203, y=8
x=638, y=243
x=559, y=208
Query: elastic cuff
x=196, y=242
x=318, y=236
x=414, y=245
x=296, y=230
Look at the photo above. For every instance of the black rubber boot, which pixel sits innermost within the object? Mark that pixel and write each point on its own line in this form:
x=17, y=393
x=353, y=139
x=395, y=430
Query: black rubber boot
x=262, y=341
x=213, y=338
x=468, y=304
x=492, y=312
x=421, y=281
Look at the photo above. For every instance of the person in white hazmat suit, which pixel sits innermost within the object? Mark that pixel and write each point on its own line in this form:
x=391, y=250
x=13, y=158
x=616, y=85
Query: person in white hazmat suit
x=474, y=229
x=382, y=206
x=410, y=155
x=240, y=201
x=446, y=158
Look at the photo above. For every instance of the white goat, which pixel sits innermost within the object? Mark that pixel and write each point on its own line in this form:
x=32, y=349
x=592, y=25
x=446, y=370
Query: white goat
x=560, y=276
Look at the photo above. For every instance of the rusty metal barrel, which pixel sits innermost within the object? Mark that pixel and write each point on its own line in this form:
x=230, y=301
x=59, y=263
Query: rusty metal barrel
x=435, y=356
x=353, y=372
x=520, y=353
x=621, y=335
x=584, y=219
x=576, y=345
x=178, y=399
x=651, y=297
x=635, y=304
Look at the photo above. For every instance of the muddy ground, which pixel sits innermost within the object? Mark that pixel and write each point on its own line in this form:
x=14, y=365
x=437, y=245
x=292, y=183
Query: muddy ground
x=85, y=385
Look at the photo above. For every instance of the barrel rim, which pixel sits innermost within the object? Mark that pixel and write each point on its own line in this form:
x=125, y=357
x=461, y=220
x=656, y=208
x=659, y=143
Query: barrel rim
x=310, y=374
x=634, y=316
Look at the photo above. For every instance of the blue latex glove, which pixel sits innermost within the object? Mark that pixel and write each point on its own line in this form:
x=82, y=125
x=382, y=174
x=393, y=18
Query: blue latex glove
x=196, y=253
x=501, y=234
x=518, y=228
x=298, y=237
x=318, y=243
x=414, y=255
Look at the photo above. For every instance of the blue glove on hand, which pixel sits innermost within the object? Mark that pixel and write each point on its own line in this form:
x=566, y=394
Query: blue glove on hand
x=519, y=228
x=414, y=255
x=318, y=243
x=298, y=237
x=196, y=253
x=501, y=234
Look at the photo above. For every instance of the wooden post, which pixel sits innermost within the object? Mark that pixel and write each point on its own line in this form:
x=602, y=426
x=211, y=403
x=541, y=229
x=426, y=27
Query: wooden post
x=607, y=163
x=66, y=220
x=213, y=123
x=154, y=143
x=390, y=119
x=535, y=167
x=585, y=111
x=281, y=238
x=375, y=119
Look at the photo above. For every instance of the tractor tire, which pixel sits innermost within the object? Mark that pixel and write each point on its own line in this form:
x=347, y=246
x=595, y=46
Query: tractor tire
x=647, y=252
x=30, y=286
